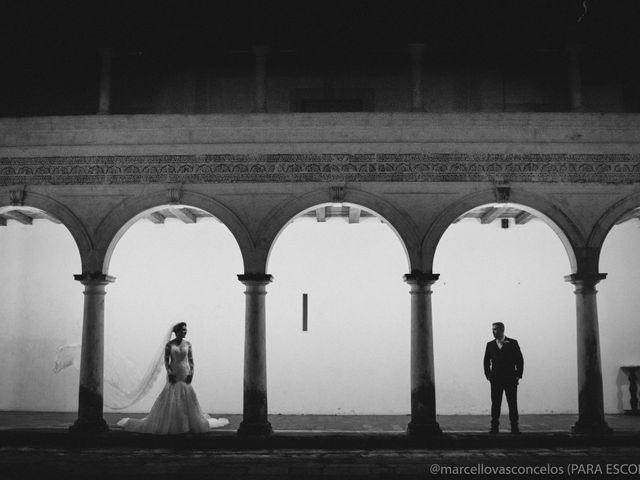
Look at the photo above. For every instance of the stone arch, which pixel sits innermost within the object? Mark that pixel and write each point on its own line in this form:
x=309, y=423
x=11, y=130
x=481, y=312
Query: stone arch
x=62, y=213
x=118, y=221
x=276, y=222
x=560, y=222
x=607, y=221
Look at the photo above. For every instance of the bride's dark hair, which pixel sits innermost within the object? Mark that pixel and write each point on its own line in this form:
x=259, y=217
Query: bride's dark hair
x=178, y=326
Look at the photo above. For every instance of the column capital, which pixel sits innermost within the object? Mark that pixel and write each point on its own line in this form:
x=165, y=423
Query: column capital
x=421, y=278
x=585, y=282
x=94, y=278
x=255, y=278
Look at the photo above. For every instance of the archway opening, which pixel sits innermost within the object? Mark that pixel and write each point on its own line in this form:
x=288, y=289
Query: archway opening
x=354, y=356
x=618, y=307
x=40, y=310
x=503, y=262
x=176, y=263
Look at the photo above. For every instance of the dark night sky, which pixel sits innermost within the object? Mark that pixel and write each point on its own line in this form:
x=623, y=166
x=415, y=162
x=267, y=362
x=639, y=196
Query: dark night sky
x=444, y=24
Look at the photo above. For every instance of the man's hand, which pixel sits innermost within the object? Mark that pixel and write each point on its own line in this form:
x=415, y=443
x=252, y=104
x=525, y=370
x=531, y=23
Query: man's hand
x=189, y=378
x=172, y=378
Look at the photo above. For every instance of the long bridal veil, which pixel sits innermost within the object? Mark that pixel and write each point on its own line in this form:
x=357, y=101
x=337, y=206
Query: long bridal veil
x=122, y=387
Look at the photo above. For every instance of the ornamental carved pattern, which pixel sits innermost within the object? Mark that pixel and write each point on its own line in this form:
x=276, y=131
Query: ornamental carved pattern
x=497, y=168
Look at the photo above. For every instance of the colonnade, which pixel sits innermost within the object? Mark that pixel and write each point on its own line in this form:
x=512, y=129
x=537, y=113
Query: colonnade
x=419, y=171
x=423, y=399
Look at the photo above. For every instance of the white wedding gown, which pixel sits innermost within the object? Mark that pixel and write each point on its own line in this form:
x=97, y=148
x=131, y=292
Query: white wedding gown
x=176, y=410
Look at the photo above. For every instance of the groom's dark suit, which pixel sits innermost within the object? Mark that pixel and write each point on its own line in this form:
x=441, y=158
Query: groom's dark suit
x=503, y=367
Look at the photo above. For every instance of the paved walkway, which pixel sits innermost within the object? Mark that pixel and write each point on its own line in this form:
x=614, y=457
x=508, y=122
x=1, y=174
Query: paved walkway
x=316, y=464
x=38, y=445
x=339, y=423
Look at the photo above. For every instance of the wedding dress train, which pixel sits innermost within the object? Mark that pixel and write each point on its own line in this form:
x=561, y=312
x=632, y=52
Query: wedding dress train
x=176, y=410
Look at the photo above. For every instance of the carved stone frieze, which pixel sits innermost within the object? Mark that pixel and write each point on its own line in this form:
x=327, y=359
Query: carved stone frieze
x=436, y=167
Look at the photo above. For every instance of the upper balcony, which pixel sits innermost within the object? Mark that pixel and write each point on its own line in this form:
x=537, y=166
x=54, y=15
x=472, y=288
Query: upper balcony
x=467, y=56
x=299, y=77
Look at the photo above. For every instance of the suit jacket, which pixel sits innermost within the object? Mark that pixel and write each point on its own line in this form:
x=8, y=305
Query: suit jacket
x=505, y=364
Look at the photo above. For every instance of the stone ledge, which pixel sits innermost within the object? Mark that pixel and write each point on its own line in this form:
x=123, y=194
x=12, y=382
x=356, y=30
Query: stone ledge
x=317, y=133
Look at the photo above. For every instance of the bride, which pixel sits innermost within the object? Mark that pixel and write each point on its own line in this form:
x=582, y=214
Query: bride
x=176, y=410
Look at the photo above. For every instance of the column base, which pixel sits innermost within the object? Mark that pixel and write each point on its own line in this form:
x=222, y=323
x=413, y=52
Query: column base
x=83, y=426
x=593, y=427
x=255, y=429
x=423, y=429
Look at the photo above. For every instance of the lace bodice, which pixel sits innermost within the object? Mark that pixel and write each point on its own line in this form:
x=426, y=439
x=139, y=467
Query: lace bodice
x=179, y=360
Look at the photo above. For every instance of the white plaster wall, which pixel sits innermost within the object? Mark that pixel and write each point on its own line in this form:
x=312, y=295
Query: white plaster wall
x=40, y=310
x=355, y=356
x=619, y=311
x=515, y=276
x=176, y=272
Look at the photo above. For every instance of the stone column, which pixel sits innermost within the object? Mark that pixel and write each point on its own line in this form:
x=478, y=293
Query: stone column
x=104, y=103
x=423, y=392
x=254, y=413
x=417, y=102
x=575, y=78
x=92, y=355
x=590, y=397
x=260, y=52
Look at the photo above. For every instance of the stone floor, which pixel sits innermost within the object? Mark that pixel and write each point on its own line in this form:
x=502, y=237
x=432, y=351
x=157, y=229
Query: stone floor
x=339, y=423
x=316, y=464
x=38, y=445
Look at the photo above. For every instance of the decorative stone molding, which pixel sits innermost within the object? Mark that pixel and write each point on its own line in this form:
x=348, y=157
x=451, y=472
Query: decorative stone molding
x=503, y=194
x=278, y=168
x=174, y=195
x=337, y=194
x=16, y=197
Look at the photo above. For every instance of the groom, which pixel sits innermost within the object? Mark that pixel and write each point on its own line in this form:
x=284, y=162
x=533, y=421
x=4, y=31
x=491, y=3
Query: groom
x=503, y=364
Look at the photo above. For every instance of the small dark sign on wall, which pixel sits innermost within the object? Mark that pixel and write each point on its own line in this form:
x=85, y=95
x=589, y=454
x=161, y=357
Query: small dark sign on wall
x=304, y=312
